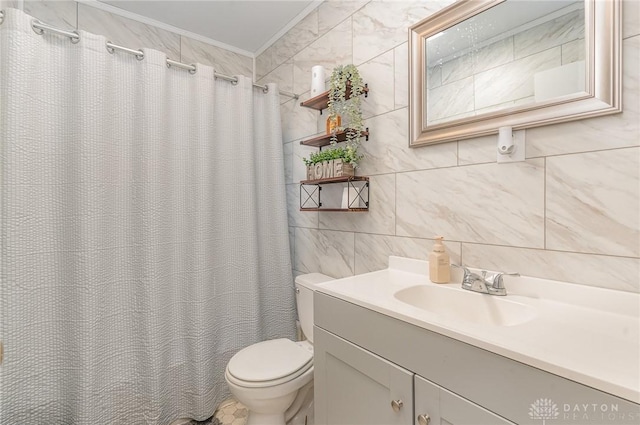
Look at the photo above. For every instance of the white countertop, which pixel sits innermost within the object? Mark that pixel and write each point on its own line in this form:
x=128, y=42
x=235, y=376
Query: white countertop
x=586, y=334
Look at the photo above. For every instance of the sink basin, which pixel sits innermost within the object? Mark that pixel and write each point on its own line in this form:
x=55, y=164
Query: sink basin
x=460, y=304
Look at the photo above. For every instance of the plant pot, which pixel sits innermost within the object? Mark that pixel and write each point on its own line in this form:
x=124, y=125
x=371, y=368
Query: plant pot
x=329, y=169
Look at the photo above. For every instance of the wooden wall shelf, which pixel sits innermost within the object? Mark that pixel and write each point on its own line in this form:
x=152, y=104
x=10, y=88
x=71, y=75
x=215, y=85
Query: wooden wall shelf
x=357, y=190
x=321, y=101
x=325, y=139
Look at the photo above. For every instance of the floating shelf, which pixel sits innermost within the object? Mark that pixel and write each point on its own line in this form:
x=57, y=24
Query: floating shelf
x=342, y=179
x=325, y=139
x=321, y=101
x=357, y=191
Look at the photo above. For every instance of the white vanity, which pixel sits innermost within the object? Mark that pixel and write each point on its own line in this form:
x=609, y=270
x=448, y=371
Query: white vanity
x=393, y=348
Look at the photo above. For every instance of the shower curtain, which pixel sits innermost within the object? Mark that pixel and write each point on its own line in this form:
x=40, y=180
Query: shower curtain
x=144, y=231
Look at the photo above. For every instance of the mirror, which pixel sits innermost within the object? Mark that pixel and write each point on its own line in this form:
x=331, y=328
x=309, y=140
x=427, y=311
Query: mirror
x=478, y=65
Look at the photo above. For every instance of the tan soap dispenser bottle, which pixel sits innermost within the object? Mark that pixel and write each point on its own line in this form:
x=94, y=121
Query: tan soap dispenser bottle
x=439, y=263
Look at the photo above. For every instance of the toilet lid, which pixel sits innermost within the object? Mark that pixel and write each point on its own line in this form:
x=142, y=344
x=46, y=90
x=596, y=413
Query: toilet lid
x=269, y=360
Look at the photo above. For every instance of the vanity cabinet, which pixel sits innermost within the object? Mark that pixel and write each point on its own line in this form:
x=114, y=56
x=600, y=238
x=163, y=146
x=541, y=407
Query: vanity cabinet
x=365, y=359
x=443, y=407
x=353, y=386
x=356, y=387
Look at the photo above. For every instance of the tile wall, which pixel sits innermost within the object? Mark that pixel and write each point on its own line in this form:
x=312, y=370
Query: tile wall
x=126, y=32
x=570, y=212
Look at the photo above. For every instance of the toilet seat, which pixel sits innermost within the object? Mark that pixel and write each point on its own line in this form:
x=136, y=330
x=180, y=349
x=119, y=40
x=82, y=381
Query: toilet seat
x=269, y=363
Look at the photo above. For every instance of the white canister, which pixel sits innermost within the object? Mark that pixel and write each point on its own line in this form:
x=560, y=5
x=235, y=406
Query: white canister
x=317, y=80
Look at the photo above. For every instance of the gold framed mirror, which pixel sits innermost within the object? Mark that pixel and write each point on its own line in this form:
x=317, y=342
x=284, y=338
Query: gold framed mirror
x=478, y=65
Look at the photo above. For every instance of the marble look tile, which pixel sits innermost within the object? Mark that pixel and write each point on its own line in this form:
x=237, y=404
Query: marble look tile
x=378, y=73
x=333, y=48
x=573, y=51
x=630, y=18
x=373, y=251
x=550, y=34
x=222, y=60
x=608, y=132
x=299, y=218
x=451, y=100
x=487, y=203
x=324, y=251
x=434, y=76
x=264, y=63
x=478, y=150
x=457, y=69
x=283, y=76
x=294, y=41
x=593, y=202
x=381, y=215
x=388, y=151
x=382, y=25
x=297, y=122
x=586, y=269
x=516, y=78
x=127, y=32
x=493, y=55
x=61, y=14
x=333, y=12
x=401, y=75
x=288, y=162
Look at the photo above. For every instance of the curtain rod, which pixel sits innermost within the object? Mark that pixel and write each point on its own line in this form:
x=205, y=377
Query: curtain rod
x=40, y=27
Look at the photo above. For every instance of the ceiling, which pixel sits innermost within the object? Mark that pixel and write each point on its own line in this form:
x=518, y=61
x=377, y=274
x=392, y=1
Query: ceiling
x=247, y=26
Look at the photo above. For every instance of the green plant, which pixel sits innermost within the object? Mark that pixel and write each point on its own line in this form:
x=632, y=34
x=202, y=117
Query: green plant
x=343, y=78
x=347, y=154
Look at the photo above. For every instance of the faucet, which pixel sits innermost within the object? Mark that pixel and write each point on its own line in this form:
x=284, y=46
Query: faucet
x=489, y=283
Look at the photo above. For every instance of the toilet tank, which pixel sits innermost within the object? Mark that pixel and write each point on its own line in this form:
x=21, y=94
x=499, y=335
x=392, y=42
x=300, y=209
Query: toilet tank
x=305, y=285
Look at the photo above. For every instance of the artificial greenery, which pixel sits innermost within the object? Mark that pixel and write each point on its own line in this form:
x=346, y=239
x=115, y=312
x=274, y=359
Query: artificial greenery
x=347, y=153
x=343, y=77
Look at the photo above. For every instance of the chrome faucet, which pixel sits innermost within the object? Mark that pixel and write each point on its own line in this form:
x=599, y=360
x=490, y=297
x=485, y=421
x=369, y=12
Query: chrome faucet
x=489, y=283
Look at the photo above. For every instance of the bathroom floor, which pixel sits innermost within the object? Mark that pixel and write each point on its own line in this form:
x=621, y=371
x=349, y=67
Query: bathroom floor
x=230, y=412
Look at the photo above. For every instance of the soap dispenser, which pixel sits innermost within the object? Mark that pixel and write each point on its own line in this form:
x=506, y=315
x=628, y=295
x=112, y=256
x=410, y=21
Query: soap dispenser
x=439, y=263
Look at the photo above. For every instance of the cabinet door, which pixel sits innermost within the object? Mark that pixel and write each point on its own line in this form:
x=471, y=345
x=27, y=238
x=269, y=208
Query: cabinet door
x=446, y=408
x=355, y=387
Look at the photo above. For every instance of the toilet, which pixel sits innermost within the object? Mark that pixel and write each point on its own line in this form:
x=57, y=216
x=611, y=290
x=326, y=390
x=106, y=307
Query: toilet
x=274, y=378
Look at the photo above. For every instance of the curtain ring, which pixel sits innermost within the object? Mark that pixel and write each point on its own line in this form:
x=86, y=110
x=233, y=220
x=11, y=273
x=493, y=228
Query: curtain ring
x=265, y=90
x=140, y=55
x=38, y=31
x=76, y=39
x=194, y=70
x=234, y=81
x=109, y=48
x=2, y=13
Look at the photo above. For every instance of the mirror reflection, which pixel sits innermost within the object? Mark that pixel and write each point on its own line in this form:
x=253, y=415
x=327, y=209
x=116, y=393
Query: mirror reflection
x=516, y=53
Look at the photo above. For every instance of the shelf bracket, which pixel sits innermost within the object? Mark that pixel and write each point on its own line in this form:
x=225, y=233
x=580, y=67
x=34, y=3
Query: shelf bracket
x=310, y=197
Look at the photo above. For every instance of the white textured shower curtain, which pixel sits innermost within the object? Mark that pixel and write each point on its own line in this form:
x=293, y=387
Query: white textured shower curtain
x=144, y=233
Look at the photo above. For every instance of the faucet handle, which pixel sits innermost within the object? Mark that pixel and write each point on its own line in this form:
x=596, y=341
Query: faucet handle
x=497, y=284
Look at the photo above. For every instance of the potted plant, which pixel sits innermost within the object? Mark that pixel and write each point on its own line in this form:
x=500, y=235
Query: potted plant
x=338, y=161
